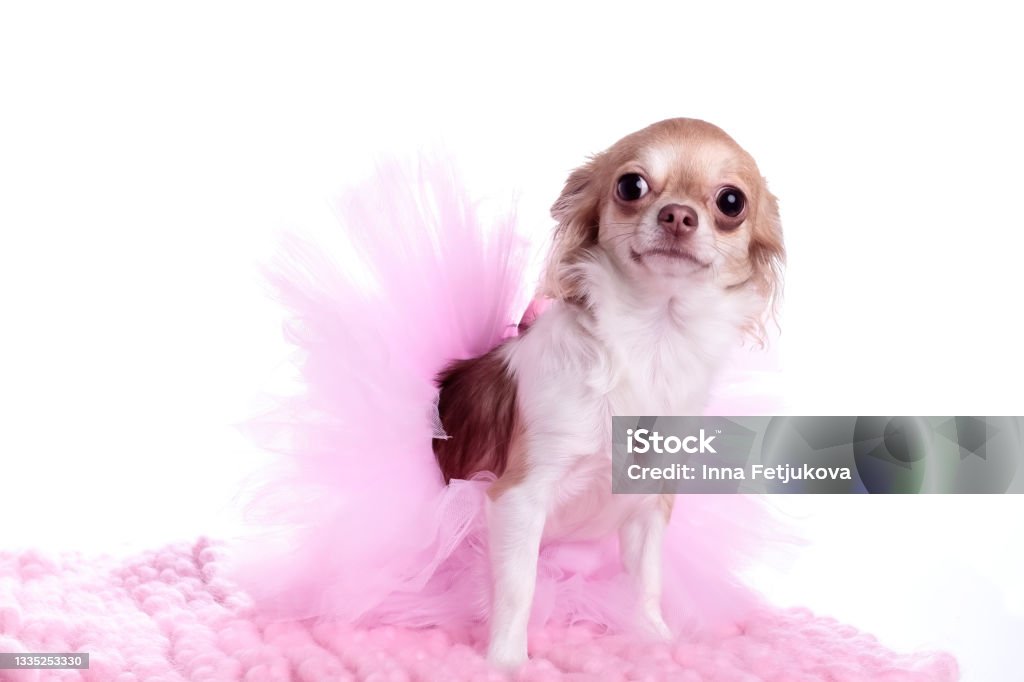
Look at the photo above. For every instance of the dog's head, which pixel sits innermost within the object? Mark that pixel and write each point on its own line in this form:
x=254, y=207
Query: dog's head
x=671, y=205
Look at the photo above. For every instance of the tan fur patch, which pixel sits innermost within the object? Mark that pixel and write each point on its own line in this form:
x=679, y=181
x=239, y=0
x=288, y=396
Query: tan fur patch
x=678, y=156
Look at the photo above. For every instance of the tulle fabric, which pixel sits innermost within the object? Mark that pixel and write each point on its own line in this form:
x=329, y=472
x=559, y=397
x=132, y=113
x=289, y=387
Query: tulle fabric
x=354, y=521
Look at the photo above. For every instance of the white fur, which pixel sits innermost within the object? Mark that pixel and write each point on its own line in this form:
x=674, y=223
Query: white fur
x=638, y=351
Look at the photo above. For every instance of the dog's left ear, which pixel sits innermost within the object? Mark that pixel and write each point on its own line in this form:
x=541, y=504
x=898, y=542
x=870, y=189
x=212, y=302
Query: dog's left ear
x=767, y=255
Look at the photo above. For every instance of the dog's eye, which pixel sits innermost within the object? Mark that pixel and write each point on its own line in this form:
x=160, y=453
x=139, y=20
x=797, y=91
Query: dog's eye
x=631, y=187
x=731, y=201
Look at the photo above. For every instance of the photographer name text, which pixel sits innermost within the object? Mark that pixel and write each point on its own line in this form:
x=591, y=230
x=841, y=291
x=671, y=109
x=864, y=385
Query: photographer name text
x=643, y=441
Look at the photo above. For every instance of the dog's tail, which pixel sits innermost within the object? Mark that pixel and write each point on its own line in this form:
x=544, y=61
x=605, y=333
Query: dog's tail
x=352, y=512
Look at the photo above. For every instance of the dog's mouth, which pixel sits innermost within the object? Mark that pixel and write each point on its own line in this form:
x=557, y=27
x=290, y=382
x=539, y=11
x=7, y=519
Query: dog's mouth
x=671, y=254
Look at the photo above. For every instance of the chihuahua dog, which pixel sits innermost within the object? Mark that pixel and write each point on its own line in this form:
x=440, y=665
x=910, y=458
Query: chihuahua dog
x=667, y=252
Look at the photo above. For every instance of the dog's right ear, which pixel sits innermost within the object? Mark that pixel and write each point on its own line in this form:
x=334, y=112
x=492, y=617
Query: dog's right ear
x=577, y=212
x=573, y=194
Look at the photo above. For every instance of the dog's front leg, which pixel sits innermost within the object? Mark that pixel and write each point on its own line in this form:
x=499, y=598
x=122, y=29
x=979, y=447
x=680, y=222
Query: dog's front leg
x=516, y=518
x=640, y=540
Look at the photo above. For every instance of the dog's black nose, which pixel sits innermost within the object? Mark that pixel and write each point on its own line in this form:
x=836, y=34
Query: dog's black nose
x=677, y=219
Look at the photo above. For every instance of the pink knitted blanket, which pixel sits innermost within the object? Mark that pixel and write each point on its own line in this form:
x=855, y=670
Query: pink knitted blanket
x=171, y=614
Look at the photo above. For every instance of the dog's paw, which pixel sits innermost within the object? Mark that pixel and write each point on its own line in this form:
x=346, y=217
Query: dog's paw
x=656, y=627
x=506, y=663
x=506, y=658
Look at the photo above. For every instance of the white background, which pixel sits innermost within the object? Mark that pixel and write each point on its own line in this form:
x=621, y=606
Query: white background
x=148, y=158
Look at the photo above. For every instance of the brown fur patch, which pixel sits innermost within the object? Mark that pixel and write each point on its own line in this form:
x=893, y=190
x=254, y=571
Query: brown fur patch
x=515, y=464
x=477, y=407
x=665, y=503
